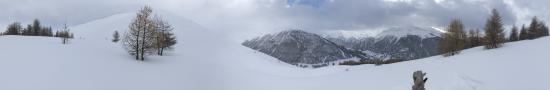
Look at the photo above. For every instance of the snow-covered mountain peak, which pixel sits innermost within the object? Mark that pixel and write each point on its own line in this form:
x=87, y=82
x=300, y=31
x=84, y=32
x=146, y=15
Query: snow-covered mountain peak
x=350, y=33
x=423, y=32
x=398, y=31
x=290, y=32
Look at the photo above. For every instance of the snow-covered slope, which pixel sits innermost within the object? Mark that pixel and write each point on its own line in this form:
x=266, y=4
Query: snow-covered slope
x=92, y=62
x=518, y=65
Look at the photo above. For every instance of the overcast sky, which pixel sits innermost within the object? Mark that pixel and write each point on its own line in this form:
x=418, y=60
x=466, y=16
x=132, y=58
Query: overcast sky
x=281, y=14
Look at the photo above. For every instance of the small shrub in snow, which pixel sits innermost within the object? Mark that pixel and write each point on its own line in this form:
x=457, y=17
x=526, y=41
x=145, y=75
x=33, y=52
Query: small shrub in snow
x=116, y=37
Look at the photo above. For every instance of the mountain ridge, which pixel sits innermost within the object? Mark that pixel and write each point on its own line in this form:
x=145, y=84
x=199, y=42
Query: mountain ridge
x=298, y=47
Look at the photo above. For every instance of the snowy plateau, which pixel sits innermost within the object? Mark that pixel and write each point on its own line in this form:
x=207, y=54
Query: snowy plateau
x=206, y=60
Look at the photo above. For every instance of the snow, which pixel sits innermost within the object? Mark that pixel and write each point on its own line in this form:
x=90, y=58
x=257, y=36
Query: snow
x=350, y=33
x=518, y=65
x=396, y=31
x=206, y=60
x=92, y=62
x=423, y=32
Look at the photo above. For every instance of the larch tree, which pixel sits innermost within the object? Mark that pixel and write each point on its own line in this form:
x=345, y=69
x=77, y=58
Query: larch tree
x=28, y=30
x=494, y=35
x=513, y=34
x=523, y=33
x=474, y=38
x=64, y=34
x=13, y=29
x=537, y=29
x=164, y=38
x=533, y=29
x=544, y=31
x=454, y=40
x=138, y=40
x=36, y=28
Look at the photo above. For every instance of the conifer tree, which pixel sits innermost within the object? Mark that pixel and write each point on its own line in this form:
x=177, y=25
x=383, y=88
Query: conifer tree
x=65, y=34
x=513, y=34
x=28, y=30
x=36, y=28
x=494, y=36
x=537, y=29
x=534, y=29
x=164, y=38
x=474, y=38
x=523, y=34
x=13, y=29
x=544, y=30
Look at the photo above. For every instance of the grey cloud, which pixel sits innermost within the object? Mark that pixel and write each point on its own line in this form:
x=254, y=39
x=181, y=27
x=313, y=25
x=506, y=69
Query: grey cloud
x=347, y=14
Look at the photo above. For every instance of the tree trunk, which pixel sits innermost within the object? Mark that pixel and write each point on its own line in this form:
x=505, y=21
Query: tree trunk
x=161, y=51
x=137, y=46
x=143, y=40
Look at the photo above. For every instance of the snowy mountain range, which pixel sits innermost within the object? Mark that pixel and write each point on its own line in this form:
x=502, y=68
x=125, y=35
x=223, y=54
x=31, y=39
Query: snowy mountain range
x=300, y=47
x=404, y=43
x=399, y=32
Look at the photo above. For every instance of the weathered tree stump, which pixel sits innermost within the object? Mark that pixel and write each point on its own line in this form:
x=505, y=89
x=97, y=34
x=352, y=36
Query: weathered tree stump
x=419, y=80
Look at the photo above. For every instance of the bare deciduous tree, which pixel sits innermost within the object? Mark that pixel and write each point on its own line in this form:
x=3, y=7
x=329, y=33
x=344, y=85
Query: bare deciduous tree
x=139, y=39
x=164, y=38
x=64, y=34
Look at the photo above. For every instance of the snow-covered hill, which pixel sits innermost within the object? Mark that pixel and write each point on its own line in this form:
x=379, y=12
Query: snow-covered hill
x=206, y=60
x=92, y=62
